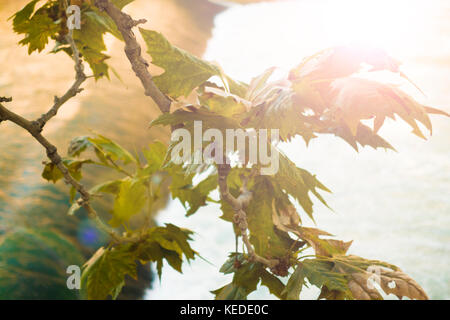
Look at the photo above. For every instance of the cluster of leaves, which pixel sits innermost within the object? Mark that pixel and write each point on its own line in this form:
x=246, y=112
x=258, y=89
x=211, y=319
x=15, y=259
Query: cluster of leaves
x=104, y=274
x=322, y=95
x=339, y=277
x=138, y=192
x=138, y=195
x=49, y=23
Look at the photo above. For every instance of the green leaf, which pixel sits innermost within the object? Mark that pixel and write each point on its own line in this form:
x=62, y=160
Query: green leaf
x=129, y=201
x=52, y=173
x=320, y=273
x=298, y=183
x=191, y=197
x=170, y=243
x=109, y=149
x=230, y=292
x=275, y=286
x=22, y=17
x=104, y=275
x=111, y=187
x=89, y=39
x=295, y=284
x=173, y=238
x=183, y=71
x=267, y=241
x=234, y=260
x=39, y=29
x=248, y=276
x=173, y=259
x=155, y=155
x=199, y=194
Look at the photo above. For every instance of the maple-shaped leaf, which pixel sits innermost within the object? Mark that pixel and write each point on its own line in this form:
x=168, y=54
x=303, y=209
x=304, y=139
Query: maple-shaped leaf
x=318, y=273
x=311, y=236
x=183, y=71
x=325, y=84
x=362, y=273
x=246, y=277
x=365, y=136
x=263, y=235
x=49, y=23
x=37, y=26
x=230, y=292
x=299, y=183
x=129, y=200
x=173, y=238
x=355, y=99
x=168, y=243
x=391, y=282
x=104, y=274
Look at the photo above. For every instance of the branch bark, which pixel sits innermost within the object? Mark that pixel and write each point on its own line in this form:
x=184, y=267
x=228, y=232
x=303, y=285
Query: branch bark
x=52, y=153
x=125, y=24
x=240, y=217
x=35, y=128
x=80, y=77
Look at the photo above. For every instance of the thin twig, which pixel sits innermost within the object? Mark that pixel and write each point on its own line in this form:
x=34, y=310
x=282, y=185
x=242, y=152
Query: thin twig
x=80, y=77
x=35, y=128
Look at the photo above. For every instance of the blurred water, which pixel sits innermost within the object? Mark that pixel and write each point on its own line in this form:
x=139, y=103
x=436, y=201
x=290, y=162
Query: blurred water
x=395, y=206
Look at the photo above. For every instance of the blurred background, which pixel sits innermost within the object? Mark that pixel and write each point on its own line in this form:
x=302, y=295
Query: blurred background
x=395, y=206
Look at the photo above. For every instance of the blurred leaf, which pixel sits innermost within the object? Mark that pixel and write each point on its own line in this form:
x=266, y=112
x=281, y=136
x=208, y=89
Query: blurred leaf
x=155, y=156
x=129, y=201
x=109, y=149
x=52, y=173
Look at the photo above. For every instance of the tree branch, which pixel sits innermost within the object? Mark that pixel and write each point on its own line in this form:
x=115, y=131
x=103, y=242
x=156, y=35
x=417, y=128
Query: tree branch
x=35, y=130
x=240, y=217
x=80, y=77
x=125, y=24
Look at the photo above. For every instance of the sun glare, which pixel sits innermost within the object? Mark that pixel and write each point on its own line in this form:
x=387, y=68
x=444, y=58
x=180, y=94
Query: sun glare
x=295, y=29
x=382, y=23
